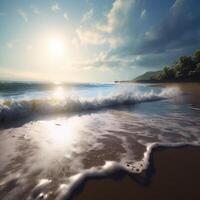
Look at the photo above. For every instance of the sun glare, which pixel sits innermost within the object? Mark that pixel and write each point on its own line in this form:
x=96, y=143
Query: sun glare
x=56, y=47
x=59, y=93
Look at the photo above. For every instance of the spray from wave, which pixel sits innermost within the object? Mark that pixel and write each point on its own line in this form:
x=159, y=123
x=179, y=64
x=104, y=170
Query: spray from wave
x=13, y=109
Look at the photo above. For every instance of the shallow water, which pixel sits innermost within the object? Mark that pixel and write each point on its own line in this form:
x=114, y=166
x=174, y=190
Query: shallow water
x=89, y=130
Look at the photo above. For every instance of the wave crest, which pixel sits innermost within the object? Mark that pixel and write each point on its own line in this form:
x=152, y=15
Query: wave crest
x=12, y=109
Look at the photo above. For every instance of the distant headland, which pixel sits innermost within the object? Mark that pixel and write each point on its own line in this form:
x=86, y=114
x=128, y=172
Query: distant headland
x=186, y=69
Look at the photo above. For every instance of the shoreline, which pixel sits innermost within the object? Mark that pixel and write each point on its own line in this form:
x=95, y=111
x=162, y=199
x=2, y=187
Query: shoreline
x=95, y=184
x=158, y=82
x=171, y=171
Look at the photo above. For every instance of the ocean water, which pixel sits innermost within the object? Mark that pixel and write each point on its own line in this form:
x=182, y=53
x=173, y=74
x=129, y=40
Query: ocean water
x=55, y=135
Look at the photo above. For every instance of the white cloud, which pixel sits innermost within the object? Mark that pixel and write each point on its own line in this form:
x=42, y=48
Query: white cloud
x=55, y=7
x=107, y=32
x=143, y=14
x=65, y=15
x=23, y=14
x=90, y=37
x=117, y=19
x=118, y=15
x=104, y=63
x=87, y=16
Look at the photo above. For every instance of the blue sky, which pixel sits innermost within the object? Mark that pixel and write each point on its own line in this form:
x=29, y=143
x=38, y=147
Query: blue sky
x=94, y=40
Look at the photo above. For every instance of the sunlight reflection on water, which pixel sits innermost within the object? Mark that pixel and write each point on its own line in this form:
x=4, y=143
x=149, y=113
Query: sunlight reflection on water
x=46, y=154
x=59, y=93
x=59, y=138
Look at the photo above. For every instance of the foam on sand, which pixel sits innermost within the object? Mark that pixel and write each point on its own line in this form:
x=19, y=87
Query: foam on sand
x=66, y=190
x=52, y=157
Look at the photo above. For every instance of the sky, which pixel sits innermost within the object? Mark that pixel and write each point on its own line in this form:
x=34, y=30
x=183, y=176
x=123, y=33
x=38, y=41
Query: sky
x=94, y=40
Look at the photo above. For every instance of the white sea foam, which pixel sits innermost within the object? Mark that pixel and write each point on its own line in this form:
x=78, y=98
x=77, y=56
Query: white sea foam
x=59, y=154
x=65, y=190
x=12, y=109
x=58, y=148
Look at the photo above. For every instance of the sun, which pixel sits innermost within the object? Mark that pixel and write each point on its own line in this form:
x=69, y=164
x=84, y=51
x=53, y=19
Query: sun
x=56, y=47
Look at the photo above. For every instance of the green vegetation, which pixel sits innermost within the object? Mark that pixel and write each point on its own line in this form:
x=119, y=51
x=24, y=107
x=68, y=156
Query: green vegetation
x=146, y=76
x=186, y=69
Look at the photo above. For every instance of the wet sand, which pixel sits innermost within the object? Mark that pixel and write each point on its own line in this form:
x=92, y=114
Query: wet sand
x=191, y=92
x=173, y=174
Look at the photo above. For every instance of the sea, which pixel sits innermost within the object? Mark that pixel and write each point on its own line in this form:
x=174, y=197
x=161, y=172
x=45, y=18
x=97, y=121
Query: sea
x=53, y=136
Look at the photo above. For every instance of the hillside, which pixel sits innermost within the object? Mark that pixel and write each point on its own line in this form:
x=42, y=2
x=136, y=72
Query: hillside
x=187, y=68
x=147, y=76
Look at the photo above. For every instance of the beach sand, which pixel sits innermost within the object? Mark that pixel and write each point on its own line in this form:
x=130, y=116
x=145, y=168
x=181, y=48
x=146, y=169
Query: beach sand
x=191, y=92
x=173, y=174
x=37, y=151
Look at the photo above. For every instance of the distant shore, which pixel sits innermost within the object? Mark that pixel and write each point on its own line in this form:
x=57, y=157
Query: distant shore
x=185, y=69
x=157, y=81
x=174, y=174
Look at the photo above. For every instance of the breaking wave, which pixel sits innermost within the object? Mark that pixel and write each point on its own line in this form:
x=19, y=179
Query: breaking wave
x=13, y=109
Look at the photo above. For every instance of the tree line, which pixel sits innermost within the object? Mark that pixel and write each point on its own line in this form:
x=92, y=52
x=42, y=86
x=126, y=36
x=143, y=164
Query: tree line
x=187, y=68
